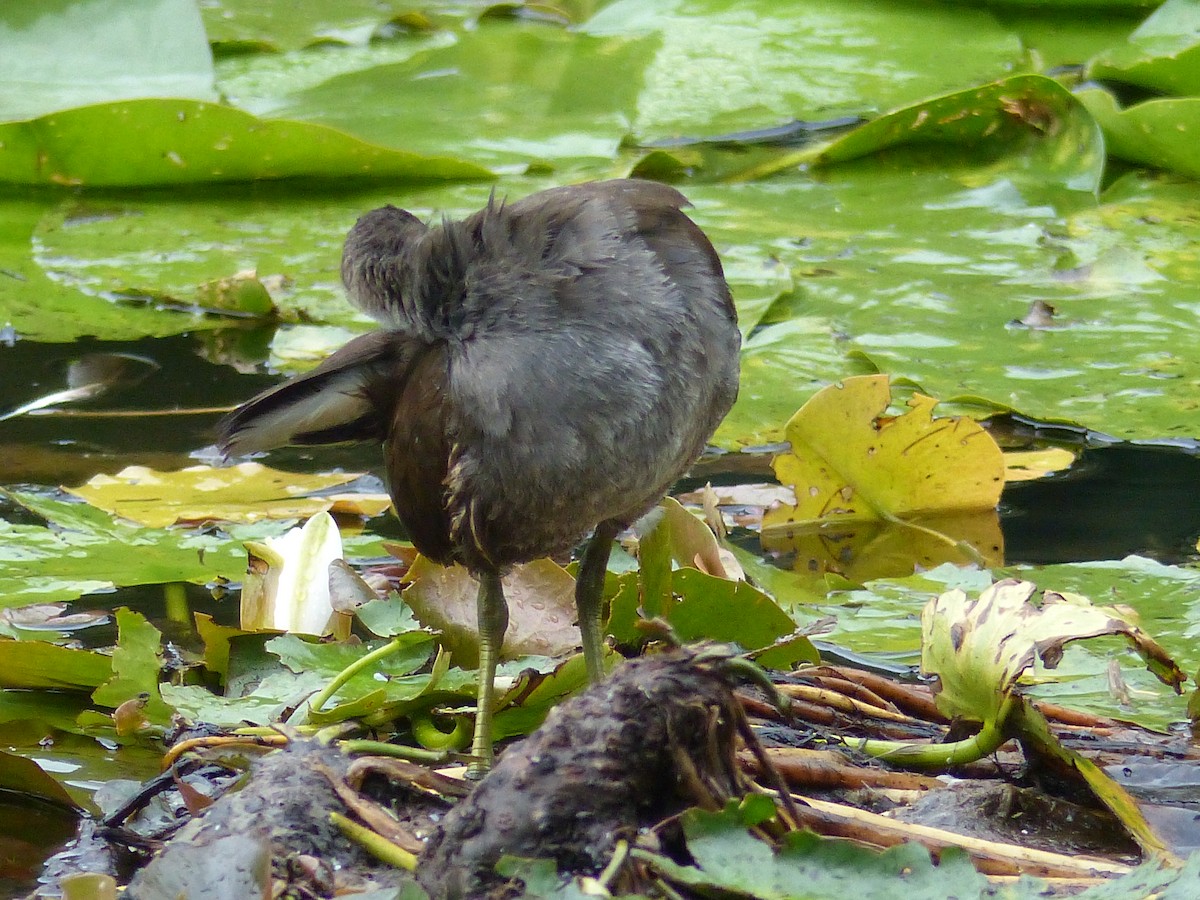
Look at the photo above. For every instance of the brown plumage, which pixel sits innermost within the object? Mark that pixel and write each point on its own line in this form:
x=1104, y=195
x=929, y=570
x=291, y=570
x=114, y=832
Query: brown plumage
x=543, y=368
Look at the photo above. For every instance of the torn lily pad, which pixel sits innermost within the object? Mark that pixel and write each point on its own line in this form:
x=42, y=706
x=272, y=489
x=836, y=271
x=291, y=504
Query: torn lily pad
x=879, y=494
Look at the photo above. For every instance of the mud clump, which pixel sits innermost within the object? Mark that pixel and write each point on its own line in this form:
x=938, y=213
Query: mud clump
x=657, y=737
x=276, y=828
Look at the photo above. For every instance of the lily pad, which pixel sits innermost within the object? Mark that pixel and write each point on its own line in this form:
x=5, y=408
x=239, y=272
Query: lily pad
x=732, y=861
x=65, y=53
x=978, y=649
x=1063, y=142
x=1159, y=133
x=38, y=665
x=157, y=142
x=541, y=609
x=725, y=65
x=1162, y=54
x=547, y=96
x=241, y=25
x=136, y=662
x=89, y=551
x=919, y=270
x=854, y=468
x=246, y=492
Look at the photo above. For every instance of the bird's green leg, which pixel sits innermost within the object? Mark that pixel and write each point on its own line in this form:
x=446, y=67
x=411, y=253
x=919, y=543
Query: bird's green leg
x=493, y=622
x=589, y=590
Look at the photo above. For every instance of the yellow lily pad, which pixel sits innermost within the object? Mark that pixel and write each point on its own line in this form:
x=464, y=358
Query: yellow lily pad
x=855, y=469
x=1029, y=465
x=248, y=492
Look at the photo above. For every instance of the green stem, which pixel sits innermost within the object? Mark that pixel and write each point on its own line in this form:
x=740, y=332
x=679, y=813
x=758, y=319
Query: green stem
x=322, y=697
x=364, y=747
x=375, y=843
x=939, y=756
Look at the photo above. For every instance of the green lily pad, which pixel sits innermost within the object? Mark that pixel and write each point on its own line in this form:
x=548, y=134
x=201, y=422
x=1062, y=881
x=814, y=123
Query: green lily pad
x=65, y=53
x=246, y=24
x=1158, y=133
x=42, y=307
x=1061, y=37
x=270, y=699
x=545, y=94
x=101, y=266
x=725, y=65
x=22, y=776
x=882, y=618
x=922, y=267
x=136, y=662
x=730, y=860
x=87, y=550
x=1031, y=119
x=38, y=665
x=1162, y=54
x=156, y=142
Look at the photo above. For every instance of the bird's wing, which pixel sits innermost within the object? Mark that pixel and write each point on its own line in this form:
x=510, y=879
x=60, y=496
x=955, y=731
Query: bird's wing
x=327, y=405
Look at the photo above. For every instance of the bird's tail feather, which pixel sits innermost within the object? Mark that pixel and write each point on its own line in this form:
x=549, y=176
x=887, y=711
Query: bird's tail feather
x=328, y=405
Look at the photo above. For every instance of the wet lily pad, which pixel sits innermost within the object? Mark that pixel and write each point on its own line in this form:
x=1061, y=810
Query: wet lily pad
x=725, y=65
x=1162, y=54
x=65, y=53
x=156, y=142
x=246, y=492
x=551, y=96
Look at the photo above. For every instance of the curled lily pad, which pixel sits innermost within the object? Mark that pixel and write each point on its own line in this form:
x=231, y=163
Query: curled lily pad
x=159, y=142
x=980, y=648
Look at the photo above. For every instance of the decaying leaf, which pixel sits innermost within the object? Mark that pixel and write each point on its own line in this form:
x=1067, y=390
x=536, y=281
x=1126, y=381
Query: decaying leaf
x=541, y=608
x=855, y=470
x=980, y=648
x=247, y=492
x=694, y=544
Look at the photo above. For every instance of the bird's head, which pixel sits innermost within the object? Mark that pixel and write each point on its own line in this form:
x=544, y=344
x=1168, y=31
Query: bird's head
x=373, y=260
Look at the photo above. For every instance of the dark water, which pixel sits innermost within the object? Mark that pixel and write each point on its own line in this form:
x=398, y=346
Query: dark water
x=1114, y=501
x=30, y=831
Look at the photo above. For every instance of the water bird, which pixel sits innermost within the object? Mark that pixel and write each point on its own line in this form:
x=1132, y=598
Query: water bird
x=543, y=369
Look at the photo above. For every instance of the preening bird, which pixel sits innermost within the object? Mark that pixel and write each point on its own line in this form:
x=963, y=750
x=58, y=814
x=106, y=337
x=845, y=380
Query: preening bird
x=542, y=369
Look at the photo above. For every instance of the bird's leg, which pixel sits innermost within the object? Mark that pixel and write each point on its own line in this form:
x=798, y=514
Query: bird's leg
x=589, y=589
x=493, y=622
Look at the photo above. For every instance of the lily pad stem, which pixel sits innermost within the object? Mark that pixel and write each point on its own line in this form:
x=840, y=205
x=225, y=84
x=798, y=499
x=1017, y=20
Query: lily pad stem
x=375, y=843
x=939, y=756
x=322, y=697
